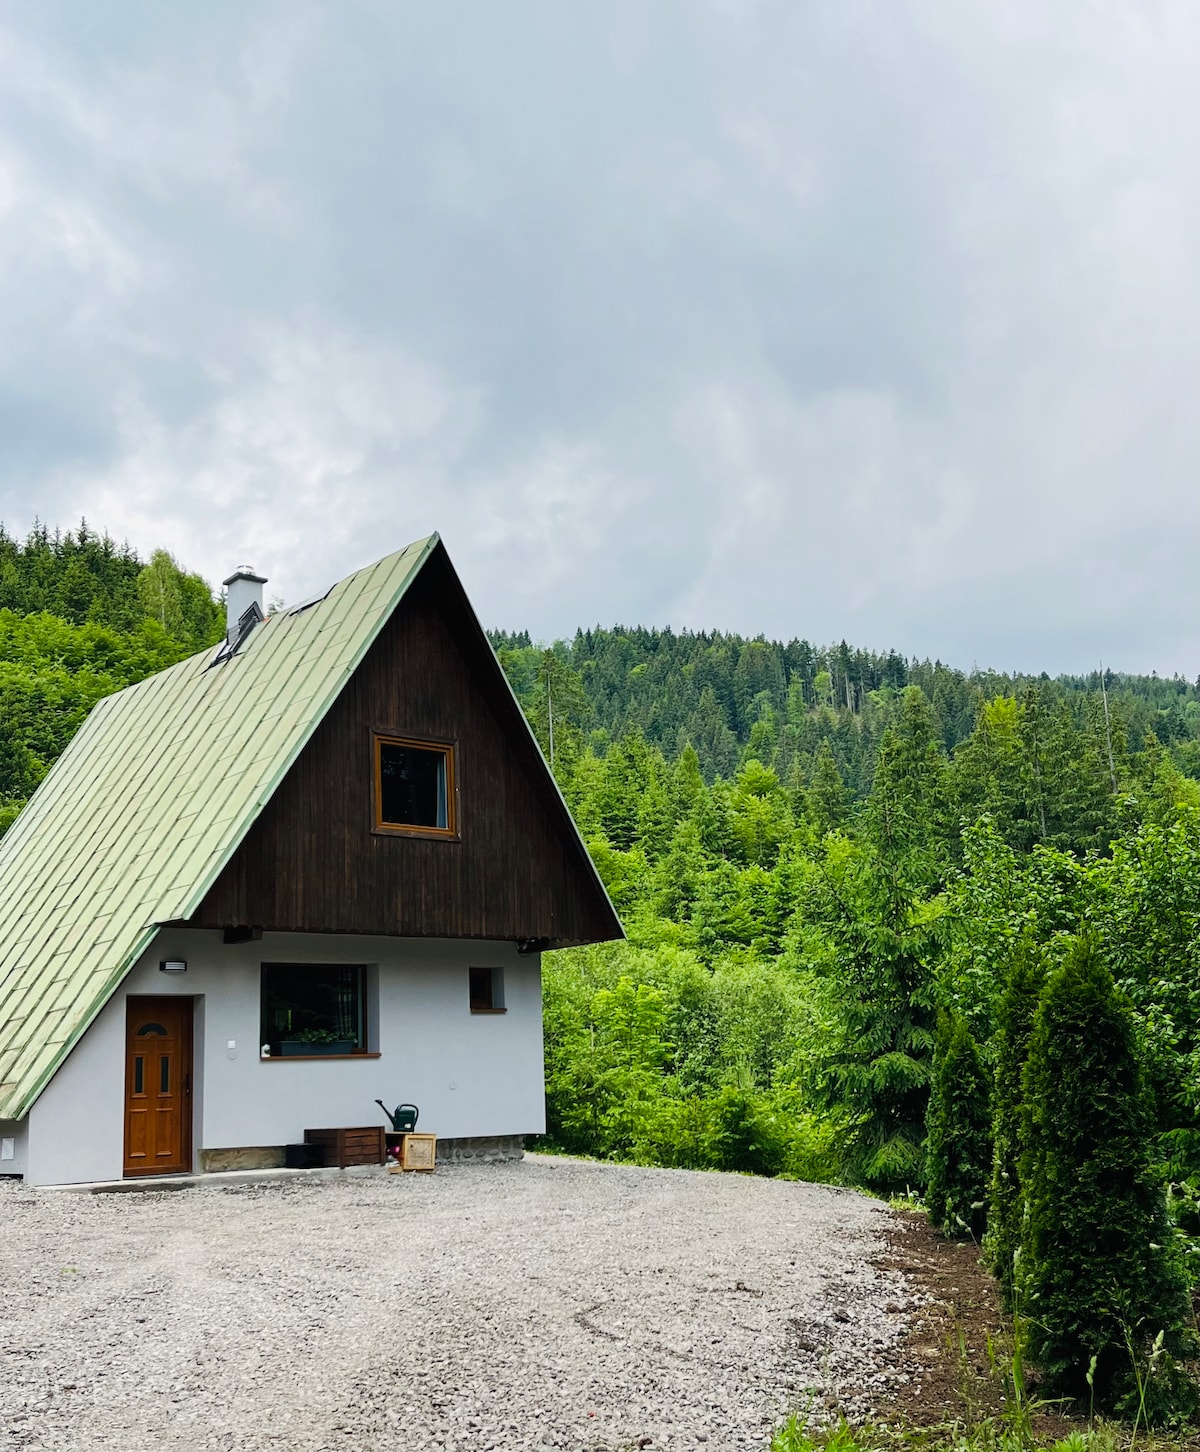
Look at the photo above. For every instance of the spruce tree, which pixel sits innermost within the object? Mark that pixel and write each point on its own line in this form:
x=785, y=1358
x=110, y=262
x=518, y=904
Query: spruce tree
x=1014, y=1026
x=1097, y=1270
x=958, y=1124
x=827, y=796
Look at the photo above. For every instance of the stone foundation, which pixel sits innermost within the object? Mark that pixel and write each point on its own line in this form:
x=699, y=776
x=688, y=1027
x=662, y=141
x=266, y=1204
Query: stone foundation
x=481, y=1149
x=266, y=1158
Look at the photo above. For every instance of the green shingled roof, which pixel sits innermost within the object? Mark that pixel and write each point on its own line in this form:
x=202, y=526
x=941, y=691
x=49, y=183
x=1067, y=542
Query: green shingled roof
x=150, y=801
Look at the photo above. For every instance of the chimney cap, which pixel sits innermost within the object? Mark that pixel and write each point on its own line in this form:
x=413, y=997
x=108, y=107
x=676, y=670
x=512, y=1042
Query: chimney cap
x=245, y=572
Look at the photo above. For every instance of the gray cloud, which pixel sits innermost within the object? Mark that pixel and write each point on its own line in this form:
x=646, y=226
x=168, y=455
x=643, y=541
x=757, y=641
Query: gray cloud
x=875, y=320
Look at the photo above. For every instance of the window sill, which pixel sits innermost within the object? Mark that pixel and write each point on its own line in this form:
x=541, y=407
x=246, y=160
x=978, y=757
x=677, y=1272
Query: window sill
x=489, y=1010
x=430, y=834
x=314, y=1058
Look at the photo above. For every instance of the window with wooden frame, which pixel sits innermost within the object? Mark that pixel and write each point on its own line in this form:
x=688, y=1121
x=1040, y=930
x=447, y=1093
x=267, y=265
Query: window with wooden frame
x=415, y=787
x=313, y=1010
x=487, y=990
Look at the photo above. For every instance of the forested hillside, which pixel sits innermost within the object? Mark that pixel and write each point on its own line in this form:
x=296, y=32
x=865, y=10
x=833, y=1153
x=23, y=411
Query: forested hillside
x=889, y=923
x=723, y=693
x=81, y=617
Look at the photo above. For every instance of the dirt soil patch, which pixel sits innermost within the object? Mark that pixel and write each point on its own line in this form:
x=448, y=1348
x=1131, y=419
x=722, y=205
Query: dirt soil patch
x=949, y=1361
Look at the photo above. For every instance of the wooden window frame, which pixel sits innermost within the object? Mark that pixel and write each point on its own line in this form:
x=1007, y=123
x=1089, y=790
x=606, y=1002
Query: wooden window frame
x=449, y=751
x=495, y=982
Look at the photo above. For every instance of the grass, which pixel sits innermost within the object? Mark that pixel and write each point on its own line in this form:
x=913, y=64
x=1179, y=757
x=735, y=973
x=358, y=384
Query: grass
x=1011, y=1429
x=990, y=1434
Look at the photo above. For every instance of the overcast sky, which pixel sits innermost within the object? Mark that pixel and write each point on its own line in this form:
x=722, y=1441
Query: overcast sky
x=865, y=320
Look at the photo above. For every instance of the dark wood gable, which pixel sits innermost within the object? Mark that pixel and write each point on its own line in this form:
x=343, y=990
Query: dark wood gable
x=313, y=861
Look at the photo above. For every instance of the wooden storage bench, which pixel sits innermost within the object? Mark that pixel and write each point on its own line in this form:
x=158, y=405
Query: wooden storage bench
x=342, y=1147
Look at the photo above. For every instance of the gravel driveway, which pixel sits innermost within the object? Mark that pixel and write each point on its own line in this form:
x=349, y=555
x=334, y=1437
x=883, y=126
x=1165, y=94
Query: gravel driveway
x=545, y=1304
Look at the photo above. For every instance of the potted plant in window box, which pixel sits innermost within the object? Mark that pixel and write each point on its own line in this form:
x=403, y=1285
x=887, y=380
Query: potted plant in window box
x=323, y=1042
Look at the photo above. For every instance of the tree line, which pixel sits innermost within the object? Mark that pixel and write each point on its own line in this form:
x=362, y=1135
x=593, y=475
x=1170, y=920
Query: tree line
x=81, y=617
x=719, y=693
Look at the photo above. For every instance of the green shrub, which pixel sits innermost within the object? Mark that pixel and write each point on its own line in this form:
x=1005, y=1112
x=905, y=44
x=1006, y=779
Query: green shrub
x=812, y=1148
x=744, y=1134
x=1014, y=1025
x=1099, y=1274
x=958, y=1128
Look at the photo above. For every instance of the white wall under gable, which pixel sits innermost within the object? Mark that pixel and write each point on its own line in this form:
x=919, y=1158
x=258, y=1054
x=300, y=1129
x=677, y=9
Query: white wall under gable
x=13, y=1134
x=470, y=1074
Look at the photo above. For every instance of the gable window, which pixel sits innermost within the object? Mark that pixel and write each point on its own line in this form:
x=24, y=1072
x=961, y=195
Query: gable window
x=414, y=787
x=313, y=1010
x=487, y=990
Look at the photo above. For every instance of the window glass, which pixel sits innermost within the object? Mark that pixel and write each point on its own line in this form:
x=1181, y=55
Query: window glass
x=487, y=990
x=412, y=785
x=313, y=1008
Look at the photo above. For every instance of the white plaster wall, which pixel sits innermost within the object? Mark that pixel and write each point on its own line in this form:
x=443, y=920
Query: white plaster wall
x=470, y=1074
x=77, y=1126
x=14, y=1129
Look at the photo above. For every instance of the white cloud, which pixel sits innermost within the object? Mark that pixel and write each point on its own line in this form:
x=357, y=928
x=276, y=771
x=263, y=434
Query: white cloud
x=876, y=321
x=317, y=452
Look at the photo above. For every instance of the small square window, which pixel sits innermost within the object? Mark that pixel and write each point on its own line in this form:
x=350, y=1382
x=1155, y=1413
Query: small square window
x=414, y=787
x=313, y=1009
x=487, y=990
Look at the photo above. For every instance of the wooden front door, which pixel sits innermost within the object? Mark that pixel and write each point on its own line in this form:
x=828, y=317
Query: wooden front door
x=158, y=1086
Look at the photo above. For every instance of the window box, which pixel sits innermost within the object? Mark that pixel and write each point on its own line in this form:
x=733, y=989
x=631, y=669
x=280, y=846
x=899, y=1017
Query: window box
x=299, y=1048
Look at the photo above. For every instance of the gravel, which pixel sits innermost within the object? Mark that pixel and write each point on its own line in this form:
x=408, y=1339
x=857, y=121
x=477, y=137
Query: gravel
x=545, y=1304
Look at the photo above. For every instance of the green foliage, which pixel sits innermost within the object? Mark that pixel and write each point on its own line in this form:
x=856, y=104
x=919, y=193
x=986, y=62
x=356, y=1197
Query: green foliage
x=742, y=1133
x=878, y=951
x=76, y=624
x=875, y=906
x=1011, y=1050
x=796, y=1436
x=79, y=577
x=959, y=1144
x=181, y=604
x=1098, y=1274
x=651, y=1056
x=827, y=806
x=800, y=952
x=1035, y=751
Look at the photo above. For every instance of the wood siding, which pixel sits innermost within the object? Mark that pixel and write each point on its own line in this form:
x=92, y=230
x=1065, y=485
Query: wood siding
x=313, y=863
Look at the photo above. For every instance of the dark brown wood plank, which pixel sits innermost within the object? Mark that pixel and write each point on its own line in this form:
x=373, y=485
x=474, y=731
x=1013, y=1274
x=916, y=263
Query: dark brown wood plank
x=314, y=863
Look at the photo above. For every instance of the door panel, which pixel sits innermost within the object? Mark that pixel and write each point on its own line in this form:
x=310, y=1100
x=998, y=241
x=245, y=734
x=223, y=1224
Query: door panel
x=158, y=1086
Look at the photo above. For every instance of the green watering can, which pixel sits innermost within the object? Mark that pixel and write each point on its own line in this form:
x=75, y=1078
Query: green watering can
x=403, y=1117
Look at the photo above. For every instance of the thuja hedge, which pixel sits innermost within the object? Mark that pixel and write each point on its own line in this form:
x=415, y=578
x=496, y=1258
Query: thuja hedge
x=1014, y=1025
x=1098, y=1276
x=959, y=1143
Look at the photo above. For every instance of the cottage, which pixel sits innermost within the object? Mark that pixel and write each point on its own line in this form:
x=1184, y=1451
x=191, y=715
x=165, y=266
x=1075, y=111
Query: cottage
x=309, y=869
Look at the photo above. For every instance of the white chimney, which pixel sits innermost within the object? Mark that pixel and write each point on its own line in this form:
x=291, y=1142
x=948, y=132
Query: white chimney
x=243, y=592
